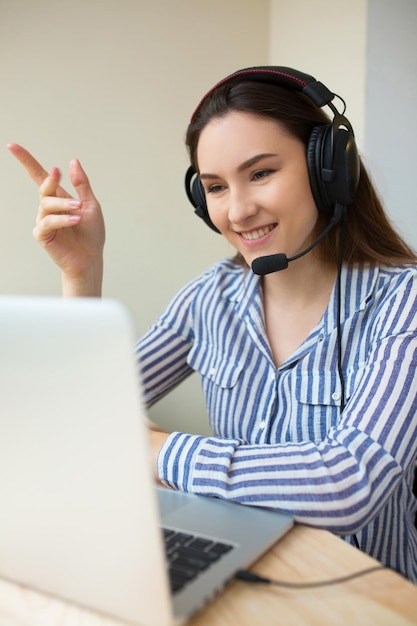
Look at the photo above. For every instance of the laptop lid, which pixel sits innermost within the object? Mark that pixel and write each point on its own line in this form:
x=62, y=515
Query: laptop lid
x=80, y=514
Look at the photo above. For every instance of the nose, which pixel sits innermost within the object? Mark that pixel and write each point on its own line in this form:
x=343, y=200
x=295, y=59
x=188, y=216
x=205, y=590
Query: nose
x=241, y=206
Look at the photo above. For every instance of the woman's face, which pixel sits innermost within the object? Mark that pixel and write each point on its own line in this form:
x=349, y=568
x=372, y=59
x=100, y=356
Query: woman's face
x=257, y=187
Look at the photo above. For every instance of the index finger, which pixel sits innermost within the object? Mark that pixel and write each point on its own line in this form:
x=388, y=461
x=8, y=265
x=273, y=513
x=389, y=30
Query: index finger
x=32, y=166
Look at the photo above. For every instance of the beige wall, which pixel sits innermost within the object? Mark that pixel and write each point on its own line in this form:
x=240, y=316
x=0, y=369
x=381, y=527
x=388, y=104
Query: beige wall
x=390, y=118
x=325, y=38
x=113, y=82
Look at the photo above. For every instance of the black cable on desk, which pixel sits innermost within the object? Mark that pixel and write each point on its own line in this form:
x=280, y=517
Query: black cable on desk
x=255, y=578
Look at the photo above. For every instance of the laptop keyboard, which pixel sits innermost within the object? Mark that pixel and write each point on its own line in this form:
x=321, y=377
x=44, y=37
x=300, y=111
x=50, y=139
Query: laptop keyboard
x=189, y=555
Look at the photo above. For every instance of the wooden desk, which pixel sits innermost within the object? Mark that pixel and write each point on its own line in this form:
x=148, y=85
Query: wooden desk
x=382, y=598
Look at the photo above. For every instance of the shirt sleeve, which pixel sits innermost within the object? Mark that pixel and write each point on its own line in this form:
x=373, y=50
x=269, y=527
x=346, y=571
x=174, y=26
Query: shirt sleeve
x=162, y=352
x=343, y=481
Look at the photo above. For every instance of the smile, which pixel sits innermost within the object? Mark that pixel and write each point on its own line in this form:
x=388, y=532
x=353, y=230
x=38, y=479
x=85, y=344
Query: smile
x=251, y=235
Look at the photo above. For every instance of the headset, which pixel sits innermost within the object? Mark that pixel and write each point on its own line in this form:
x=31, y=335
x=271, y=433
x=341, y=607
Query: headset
x=332, y=155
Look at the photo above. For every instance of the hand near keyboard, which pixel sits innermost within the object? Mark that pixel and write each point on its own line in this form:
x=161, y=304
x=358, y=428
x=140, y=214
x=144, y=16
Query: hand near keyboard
x=157, y=440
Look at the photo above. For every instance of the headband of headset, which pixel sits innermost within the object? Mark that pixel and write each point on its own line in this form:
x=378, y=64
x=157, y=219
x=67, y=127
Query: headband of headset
x=284, y=76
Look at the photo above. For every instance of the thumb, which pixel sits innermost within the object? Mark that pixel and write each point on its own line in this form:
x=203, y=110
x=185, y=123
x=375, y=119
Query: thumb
x=80, y=181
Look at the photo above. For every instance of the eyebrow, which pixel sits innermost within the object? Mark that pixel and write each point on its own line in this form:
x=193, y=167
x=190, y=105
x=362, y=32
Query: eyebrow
x=243, y=166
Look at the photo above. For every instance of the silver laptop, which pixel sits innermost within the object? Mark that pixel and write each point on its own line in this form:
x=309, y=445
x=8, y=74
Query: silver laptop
x=80, y=517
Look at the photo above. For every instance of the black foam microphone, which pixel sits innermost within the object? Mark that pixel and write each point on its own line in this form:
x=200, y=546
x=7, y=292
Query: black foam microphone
x=277, y=262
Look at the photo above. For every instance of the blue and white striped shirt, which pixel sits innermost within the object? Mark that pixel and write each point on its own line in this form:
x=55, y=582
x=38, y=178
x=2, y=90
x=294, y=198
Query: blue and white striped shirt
x=280, y=439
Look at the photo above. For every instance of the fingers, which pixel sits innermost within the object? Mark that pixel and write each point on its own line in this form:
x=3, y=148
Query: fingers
x=47, y=228
x=49, y=185
x=58, y=206
x=33, y=167
x=53, y=216
x=54, y=212
x=80, y=181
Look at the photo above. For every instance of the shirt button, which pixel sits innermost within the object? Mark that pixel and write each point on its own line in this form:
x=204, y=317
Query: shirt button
x=212, y=371
x=262, y=425
x=336, y=396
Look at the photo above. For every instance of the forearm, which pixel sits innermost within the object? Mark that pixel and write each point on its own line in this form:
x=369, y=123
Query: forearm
x=157, y=439
x=333, y=485
x=87, y=285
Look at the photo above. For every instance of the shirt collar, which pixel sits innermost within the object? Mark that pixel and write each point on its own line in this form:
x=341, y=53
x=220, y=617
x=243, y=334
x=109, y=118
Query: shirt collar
x=357, y=286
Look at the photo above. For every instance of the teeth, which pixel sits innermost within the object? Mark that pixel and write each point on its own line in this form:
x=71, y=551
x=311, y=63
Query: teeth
x=256, y=234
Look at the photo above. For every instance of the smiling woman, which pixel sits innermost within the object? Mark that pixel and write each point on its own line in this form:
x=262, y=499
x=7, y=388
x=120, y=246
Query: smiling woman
x=308, y=374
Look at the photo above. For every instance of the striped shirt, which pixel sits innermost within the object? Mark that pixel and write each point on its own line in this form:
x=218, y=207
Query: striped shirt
x=280, y=438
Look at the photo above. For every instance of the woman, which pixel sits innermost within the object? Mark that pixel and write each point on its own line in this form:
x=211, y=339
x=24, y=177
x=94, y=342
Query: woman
x=308, y=373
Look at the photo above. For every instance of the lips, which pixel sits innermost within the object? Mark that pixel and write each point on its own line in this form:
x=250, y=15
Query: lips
x=253, y=235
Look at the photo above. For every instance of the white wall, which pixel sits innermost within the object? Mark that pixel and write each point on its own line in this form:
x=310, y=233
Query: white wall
x=391, y=120
x=327, y=39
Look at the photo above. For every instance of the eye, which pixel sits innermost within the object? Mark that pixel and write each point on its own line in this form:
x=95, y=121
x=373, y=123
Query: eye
x=215, y=188
x=260, y=174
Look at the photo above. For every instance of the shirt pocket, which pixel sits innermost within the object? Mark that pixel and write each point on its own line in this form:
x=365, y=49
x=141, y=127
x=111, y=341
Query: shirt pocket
x=215, y=367
x=318, y=388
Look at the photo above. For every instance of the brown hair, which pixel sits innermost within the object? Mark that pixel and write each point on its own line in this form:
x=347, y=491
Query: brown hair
x=369, y=235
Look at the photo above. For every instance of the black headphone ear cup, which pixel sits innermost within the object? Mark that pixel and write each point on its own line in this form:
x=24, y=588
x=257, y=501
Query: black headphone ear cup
x=346, y=165
x=197, y=196
x=333, y=166
x=314, y=160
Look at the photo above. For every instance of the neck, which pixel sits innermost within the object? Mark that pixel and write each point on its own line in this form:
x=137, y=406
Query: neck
x=301, y=284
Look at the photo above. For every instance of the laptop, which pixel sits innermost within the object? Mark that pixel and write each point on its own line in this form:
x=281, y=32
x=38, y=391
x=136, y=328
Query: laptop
x=81, y=518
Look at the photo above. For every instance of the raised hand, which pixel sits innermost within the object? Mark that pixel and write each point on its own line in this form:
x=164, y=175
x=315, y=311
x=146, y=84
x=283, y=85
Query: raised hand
x=71, y=229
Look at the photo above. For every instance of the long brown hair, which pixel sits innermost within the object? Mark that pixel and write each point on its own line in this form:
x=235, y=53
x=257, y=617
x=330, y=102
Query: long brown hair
x=369, y=234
